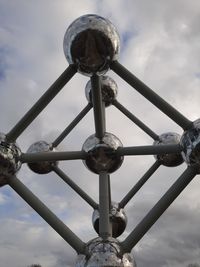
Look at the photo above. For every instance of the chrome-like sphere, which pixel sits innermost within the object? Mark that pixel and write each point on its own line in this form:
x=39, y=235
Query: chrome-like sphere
x=9, y=159
x=91, y=42
x=108, y=90
x=169, y=160
x=41, y=167
x=190, y=143
x=105, y=253
x=118, y=219
x=100, y=153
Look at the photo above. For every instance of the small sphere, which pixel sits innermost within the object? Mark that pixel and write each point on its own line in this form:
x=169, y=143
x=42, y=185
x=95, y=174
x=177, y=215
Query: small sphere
x=99, y=153
x=105, y=253
x=9, y=159
x=108, y=88
x=42, y=167
x=169, y=160
x=91, y=42
x=190, y=143
x=118, y=219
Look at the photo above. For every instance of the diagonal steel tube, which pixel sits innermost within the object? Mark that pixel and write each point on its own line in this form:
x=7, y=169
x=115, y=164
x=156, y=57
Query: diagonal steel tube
x=105, y=228
x=139, y=184
x=75, y=187
x=148, y=150
x=51, y=156
x=134, y=119
x=149, y=94
x=71, y=126
x=98, y=106
x=74, y=241
x=46, y=98
x=154, y=214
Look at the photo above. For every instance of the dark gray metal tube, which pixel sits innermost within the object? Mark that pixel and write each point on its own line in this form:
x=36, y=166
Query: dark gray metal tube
x=134, y=119
x=71, y=126
x=52, y=156
x=74, y=241
x=154, y=214
x=75, y=187
x=105, y=228
x=149, y=94
x=139, y=184
x=148, y=150
x=98, y=106
x=41, y=104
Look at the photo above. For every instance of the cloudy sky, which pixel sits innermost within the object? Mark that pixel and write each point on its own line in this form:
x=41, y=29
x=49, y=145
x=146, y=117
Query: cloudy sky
x=160, y=44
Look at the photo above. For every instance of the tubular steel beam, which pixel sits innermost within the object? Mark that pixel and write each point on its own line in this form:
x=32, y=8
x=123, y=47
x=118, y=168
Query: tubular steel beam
x=154, y=214
x=134, y=119
x=51, y=156
x=74, y=241
x=139, y=184
x=98, y=106
x=149, y=94
x=41, y=104
x=75, y=187
x=71, y=126
x=148, y=150
x=105, y=228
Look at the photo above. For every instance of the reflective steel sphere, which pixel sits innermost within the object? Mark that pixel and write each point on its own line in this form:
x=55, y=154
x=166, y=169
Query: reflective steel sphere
x=100, y=157
x=190, y=143
x=108, y=88
x=91, y=42
x=42, y=167
x=9, y=159
x=169, y=160
x=105, y=253
x=118, y=219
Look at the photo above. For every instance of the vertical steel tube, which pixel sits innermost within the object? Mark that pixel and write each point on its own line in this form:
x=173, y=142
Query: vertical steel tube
x=149, y=94
x=105, y=228
x=154, y=214
x=74, y=241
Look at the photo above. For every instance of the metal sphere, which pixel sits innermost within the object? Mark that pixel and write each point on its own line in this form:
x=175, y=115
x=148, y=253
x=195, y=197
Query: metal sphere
x=91, y=42
x=42, y=167
x=99, y=153
x=118, y=219
x=108, y=89
x=190, y=143
x=169, y=160
x=105, y=253
x=9, y=159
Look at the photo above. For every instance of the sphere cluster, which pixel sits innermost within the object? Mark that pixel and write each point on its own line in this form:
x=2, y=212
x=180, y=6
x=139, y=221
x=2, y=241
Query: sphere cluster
x=42, y=167
x=169, y=160
x=105, y=253
x=99, y=153
x=91, y=43
x=9, y=159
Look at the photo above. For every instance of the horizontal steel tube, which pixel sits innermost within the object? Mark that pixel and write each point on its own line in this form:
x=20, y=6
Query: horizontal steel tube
x=74, y=241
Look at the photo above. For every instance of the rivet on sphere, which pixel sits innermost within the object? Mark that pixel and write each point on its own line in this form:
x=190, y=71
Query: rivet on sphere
x=92, y=43
x=118, y=220
x=41, y=167
x=169, y=160
x=9, y=159
x=108, y=88
x=99, y=153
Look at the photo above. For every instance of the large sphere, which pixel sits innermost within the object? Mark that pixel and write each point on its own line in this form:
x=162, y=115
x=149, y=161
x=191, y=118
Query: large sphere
x=9, y=159
x=108, y=89
x=99, y=153
x=190, y=143
x=105, y=253
x=118, y=219
x=169, y=160
x=91, y=42
x=41, y=167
